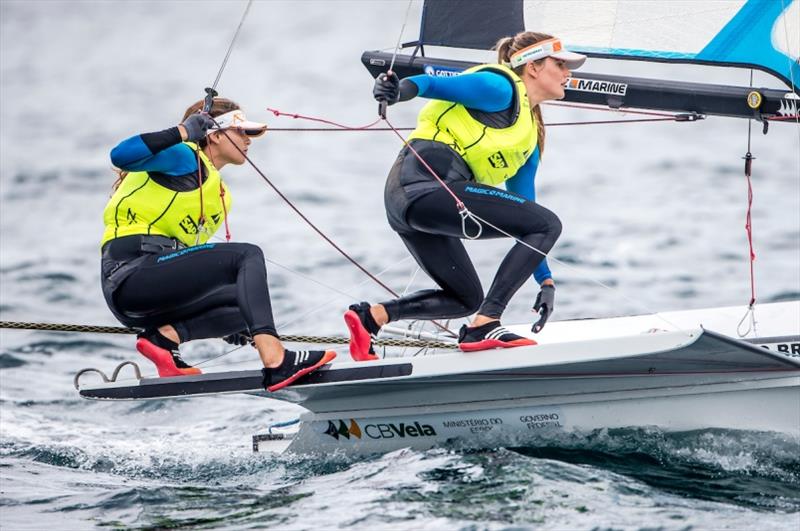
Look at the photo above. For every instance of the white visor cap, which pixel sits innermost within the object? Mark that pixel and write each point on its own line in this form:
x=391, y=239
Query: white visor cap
x=548, y=48
x=238, y=120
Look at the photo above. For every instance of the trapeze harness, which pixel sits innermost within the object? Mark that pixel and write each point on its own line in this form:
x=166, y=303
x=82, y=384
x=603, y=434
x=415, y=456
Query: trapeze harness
x=473, y=151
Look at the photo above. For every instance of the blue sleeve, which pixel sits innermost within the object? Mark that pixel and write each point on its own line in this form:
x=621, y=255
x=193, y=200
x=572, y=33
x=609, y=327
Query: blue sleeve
x=484, y=91
x=523, y=183
x=134, y=154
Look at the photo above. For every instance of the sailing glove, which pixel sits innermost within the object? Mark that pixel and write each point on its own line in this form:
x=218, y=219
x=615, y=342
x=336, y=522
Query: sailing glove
x=545, y=301
x=387, y=88
x=239, y=338
x=196, y=126
x=391, y=89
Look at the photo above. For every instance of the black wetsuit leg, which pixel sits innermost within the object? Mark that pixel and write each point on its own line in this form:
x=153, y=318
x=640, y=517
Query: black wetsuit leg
x=437, y=225
x=205, y=291
x=446, y=261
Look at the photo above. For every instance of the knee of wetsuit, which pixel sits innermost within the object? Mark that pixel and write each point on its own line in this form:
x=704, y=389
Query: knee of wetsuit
x=555, y=227
x=472, y=301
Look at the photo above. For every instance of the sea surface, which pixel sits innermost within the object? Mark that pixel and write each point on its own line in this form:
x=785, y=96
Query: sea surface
x=656, y=211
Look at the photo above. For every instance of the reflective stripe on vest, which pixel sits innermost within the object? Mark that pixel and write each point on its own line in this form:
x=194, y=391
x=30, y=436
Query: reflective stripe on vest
x=142, y=206
x=493, y=155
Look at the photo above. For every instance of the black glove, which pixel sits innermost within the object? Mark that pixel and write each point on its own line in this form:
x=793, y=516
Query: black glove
x=545, y=301
x=196, y=126
x=387, y=88
x=239, y=338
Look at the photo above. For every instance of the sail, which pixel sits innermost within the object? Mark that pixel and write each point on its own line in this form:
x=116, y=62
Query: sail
x=760, y=34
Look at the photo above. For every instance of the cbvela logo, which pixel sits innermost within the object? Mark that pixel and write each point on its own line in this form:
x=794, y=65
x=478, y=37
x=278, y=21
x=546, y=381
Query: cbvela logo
x=440, y=71
x=541, y=421
x=597, y=86
x=341, y=430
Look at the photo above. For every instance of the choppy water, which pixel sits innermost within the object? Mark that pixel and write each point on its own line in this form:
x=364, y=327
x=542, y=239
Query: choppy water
x=657, y=210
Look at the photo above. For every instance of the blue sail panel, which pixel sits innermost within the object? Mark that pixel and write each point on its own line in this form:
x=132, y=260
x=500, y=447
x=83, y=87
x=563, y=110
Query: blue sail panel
x=760, y=34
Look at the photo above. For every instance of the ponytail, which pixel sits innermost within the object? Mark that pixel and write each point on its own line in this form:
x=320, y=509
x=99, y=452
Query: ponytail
x=508, y=46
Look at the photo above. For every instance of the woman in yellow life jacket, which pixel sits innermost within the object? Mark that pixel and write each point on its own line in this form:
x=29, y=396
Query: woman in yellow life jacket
x=160, y=272
x=481, y=130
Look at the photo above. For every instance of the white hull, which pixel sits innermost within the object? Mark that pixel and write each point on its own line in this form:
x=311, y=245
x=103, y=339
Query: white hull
x=584, y=375
x=772, y=405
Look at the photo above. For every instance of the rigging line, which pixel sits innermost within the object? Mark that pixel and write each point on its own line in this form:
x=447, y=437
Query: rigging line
x=791, y=71
x=318, y=308
x=334, y=129
x=400, y=37
x=330, y=340
x=581, y=273
x=330, y=301
x=606, y=109
x=788, y=45
x=230, y=47
x=317, y=229
x=748, y=227
x=225, y=353
x=305, y=218
x=339, y=129
x=338, y=126
x=310, y=279
x=411, y=280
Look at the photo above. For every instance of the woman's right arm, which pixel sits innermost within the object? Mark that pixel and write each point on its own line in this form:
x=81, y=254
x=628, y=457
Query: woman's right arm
x=161, y=151
x=484, y=91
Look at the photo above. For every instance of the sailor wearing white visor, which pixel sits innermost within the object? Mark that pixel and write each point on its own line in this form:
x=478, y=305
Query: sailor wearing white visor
x=162, y=273
x=547, y=48
x=481, y=130
x=236, y=119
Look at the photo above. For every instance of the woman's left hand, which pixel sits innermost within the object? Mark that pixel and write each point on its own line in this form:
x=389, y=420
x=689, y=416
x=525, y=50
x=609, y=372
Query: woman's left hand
x=545, y=302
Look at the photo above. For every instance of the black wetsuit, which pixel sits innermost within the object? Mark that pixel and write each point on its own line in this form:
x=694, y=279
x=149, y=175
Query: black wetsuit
x=431, y=228
x=425, y=216
x=206, y=291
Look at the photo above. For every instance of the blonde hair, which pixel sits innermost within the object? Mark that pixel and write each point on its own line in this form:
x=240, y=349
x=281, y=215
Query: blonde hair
x=508, y=46
x=219, y=107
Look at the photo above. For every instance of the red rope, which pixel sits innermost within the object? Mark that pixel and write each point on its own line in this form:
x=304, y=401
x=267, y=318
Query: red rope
x=276, y=112
x=794, y=117
x=308, y=221
x=340, y=129
x=201, y=219
x=336, y=129
x=458, y=201
x=224, y=211
x=321, y=120
x=748, y=225
x=396, y=130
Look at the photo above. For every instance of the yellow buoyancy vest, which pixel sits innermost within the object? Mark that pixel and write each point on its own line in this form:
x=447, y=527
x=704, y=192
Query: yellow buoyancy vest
x=142, y=206
x=493, y=155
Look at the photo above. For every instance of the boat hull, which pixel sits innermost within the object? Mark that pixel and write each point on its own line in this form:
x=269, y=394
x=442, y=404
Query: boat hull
x=770, y=404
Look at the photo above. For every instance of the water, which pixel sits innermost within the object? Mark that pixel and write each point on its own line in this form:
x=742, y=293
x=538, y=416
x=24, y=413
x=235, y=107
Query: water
x=655, y=210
